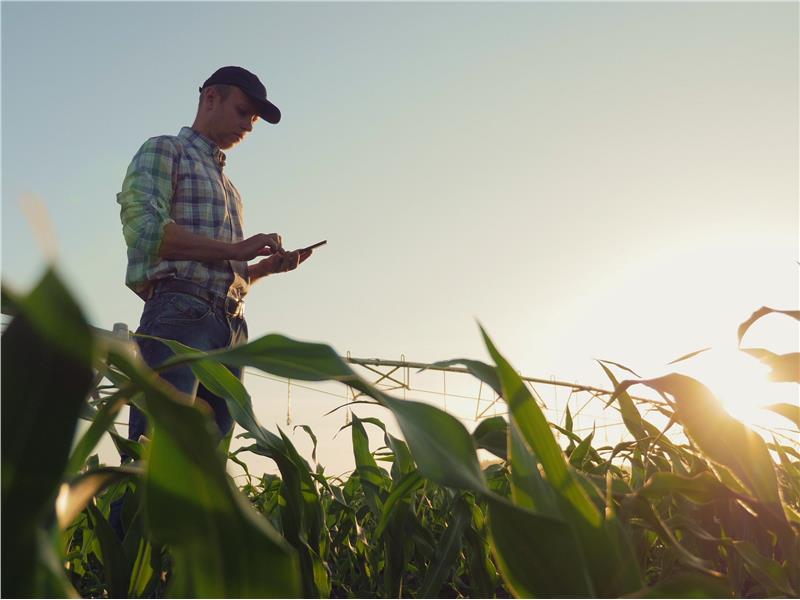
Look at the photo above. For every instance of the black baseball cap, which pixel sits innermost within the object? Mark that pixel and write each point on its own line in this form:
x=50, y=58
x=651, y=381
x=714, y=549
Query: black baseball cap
x=250, y=85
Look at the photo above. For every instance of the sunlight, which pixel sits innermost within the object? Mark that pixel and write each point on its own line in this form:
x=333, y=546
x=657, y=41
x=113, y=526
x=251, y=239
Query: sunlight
x=742, y=385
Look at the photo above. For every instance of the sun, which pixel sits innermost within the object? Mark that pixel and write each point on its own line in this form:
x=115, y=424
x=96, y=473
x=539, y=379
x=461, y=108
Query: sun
x=742, y=385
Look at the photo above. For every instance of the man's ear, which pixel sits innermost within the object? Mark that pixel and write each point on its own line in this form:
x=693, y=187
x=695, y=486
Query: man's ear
x=210, y=98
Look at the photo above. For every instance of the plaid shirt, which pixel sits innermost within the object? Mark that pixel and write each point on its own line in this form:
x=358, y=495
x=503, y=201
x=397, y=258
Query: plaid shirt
x=179, y=179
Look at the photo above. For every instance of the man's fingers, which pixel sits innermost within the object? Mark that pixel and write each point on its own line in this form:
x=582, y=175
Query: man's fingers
x=290, y=260
x=273, y=242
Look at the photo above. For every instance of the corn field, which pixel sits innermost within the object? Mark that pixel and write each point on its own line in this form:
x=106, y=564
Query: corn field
x=716, y=516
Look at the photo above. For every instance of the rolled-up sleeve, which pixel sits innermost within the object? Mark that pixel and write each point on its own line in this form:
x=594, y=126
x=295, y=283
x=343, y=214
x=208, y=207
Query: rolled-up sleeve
x=146, y=195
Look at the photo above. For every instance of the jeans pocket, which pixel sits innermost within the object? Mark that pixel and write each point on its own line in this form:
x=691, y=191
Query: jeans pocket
x=184, y=308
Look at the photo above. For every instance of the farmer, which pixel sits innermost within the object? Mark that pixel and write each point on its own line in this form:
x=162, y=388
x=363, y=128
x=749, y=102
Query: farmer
x=182, y=223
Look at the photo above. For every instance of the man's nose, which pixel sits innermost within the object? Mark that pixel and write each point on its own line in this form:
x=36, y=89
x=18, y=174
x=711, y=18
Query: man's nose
x=248, y=126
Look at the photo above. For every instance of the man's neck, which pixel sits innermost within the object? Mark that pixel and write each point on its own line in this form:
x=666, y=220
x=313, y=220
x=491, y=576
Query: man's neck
x=198, y=127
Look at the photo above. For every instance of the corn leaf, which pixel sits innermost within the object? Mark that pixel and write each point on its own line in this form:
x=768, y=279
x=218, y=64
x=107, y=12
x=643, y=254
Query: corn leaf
x=46, y=365
x=491, y=434
x=528, y=488
x=115, y=563
x=687, y=356
x=765, y=570
x=761, y=312
x=75, y=495
x=578, y=455
x=220, y=545
x=790, y=411
x=447, y=551
x=701, y=488
x=785, y=367
x=102, y=422
x=410, y=483
x=630, y=414
x=538, y=556
x=606, y=549
x=729, y=442
x=441, y=446
x=480, y=370
x=686, y=585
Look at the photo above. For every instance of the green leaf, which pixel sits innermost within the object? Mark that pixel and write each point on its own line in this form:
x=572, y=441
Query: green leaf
x=403, y=461
x=791, y=470
x=578, y=455
x=536, y=431
x=528, y=488
x=371, y=476
x=606, y=549
x=441, y=446
x=639, y=507
x=701, y=488
x=51, y=580
x=765, y=570
x=313, y=437
x=142, y=571
x=729, y=442
x=618, y=365
x=280, y=356
x=491, y=434
x=75, y=495
x=220, y=545
x=301, y=516
x=686, y=585
x=568, y=425
x=410, y=483
x=115, y=563
x=103, y=421
x=447, y=551
x=46, y=373
x=480, y=370
x=538, y=556
x=630, y=414
x=129, y=448
x=481, y=569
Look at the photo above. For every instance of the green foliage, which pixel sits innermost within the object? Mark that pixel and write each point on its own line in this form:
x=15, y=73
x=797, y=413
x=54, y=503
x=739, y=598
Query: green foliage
x=418, y=517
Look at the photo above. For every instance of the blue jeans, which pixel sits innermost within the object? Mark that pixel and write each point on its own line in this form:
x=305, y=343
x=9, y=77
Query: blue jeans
x=193, y=322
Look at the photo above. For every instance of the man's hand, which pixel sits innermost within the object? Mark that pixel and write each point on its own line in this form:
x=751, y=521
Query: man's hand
x=280, y=262
x=261, y=244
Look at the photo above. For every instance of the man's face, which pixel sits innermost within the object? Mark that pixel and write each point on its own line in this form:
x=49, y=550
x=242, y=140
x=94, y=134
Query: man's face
x=232, y=118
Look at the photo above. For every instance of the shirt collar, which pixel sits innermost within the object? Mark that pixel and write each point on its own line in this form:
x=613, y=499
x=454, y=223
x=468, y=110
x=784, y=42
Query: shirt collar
x=203, y=144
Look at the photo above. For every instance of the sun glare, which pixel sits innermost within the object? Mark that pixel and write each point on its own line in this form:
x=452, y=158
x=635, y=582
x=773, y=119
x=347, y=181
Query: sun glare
x=743, y=386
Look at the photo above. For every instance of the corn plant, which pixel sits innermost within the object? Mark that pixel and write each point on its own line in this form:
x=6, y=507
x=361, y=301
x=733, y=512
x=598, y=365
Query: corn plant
x=716, y=516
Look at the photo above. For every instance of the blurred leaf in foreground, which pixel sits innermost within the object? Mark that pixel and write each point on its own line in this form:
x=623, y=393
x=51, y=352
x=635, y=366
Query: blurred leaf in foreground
x=46, y=365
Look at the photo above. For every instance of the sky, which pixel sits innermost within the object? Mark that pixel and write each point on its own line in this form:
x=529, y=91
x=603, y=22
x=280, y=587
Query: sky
x=585, y=180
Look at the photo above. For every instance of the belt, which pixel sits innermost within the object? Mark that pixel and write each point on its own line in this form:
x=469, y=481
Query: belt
x=230, y=306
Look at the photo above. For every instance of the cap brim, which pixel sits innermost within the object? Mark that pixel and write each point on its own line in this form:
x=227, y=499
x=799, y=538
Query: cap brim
x=268, y=111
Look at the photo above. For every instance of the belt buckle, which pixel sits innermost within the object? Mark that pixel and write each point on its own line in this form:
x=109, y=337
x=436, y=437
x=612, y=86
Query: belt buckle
x=234, y=307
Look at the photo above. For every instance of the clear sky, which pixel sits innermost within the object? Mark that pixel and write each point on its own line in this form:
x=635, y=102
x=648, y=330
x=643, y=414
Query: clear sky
x=610, y=180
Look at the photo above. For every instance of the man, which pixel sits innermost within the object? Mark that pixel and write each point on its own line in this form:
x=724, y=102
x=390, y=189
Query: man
x=182, y=222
